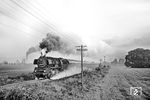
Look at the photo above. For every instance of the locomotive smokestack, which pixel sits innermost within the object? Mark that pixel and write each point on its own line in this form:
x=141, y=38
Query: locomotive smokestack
x=44, y=52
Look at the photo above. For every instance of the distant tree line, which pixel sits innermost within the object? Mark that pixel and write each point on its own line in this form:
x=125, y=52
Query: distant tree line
x=17, y=62
x=118, y=61
x=5, y=62
x=138, y=58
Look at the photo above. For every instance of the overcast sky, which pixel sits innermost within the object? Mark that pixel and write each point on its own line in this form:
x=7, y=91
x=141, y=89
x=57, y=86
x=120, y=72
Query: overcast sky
x=112, y=26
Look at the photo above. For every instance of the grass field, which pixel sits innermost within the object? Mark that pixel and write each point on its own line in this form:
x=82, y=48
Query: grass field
x=65, y=88
x=15, y=73
x=109, y=83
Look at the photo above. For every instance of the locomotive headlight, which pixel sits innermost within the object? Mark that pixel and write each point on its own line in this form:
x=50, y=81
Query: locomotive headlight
x=44, y=70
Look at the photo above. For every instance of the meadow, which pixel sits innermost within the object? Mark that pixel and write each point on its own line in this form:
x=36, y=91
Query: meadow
x=12, y=73
x=104, y=83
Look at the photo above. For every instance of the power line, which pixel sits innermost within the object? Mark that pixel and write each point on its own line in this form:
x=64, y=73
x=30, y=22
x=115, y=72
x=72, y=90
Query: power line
x=14, y=16
x=32, y=14
x=9, y=13
x=39, y=19
x=37, y=10
x=26, y=12
x=33, y=6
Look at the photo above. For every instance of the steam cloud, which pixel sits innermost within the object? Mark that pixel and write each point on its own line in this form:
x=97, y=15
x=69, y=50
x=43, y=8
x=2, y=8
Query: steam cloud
x=32, y=50
x=53, y=42
x=72, y=70
x=65, y=45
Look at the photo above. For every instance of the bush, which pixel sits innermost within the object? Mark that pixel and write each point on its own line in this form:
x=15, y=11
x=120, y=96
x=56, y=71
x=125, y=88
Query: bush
x=5, y=62
x=138, y=58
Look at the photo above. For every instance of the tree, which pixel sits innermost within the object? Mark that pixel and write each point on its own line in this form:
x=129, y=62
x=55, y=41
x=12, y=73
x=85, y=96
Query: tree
x=121, y=61
x=115, y=61
x=5, y=62
x=138, y=58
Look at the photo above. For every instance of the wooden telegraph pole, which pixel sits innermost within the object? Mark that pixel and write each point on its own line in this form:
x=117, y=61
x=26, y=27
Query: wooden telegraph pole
x=81, y=48
x=104, y=58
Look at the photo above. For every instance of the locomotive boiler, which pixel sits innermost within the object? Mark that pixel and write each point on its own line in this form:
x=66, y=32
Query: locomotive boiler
x=49, y=66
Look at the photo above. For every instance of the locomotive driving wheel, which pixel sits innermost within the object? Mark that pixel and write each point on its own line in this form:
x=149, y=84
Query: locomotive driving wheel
x=36, y=78
x=56, y=71
x=49, y=75
x=52, y=73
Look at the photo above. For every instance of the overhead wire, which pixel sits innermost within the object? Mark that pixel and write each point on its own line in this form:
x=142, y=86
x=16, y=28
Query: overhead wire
x=39, y=14
x=8, y=11
x=30, y=13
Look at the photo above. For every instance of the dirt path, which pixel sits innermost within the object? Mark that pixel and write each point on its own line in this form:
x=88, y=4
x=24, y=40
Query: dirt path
x=116, y=85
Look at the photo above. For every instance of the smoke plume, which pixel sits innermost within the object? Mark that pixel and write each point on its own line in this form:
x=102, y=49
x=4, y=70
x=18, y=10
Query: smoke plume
x=53, y=42
x=72, y=70
x=32, y=50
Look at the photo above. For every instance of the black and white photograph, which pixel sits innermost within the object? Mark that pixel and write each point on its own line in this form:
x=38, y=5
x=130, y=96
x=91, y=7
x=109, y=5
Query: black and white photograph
x=74, y=49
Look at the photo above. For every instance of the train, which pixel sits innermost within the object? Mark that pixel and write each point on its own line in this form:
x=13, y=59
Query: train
x=46, y=67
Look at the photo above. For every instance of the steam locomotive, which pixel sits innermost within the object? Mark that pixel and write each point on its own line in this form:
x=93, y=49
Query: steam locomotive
x=49, y=66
